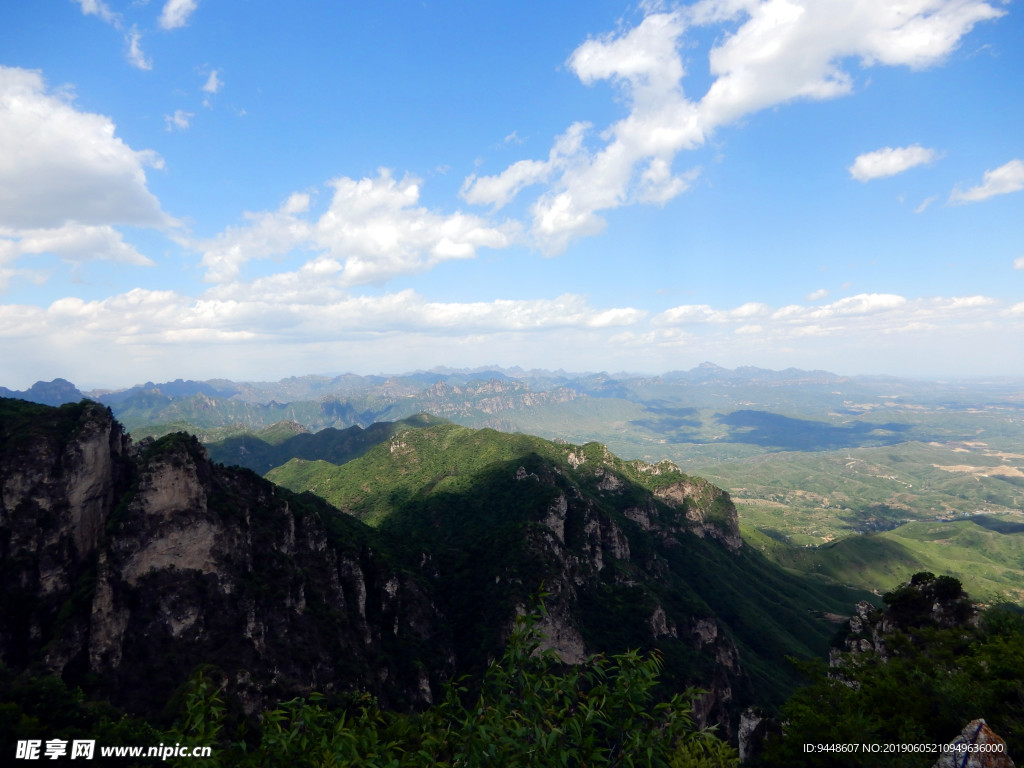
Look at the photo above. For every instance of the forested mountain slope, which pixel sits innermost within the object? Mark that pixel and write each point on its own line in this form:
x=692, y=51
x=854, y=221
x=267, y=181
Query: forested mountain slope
x=133, y=565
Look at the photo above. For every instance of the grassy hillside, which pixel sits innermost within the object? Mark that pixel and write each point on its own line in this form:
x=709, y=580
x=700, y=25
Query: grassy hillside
x=985, y=552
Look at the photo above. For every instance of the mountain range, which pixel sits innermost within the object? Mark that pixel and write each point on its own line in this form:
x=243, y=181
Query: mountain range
x=131, y=565
x=850, y=467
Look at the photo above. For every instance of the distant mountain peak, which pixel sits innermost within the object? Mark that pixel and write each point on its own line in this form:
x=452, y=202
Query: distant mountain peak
x=56, y=392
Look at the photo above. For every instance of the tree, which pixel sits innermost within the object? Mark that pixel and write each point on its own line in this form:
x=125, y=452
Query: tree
x=531, y=710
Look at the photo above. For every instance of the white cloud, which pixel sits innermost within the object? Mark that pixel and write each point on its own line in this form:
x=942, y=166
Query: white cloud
x=266, y=234
x=176, y=13
x=779, y=51
x=499, y=190
x=853, y=334
x=61, y=165
x=72, y=242
x=262, y=334
x=167, y=317
x=925, y=203
x=213, y=83
x=257, y=330
x=66, y=180
x=377, y=227
x=889, y=161
x=635, y=163
x=135, y=55
x=890, y=310
x=999, y=181
x=703, y=313
x=795, y=49
x=1018, y=263
x=372, y=231
x=817, y=295
x=101, y=9
x=179, y=121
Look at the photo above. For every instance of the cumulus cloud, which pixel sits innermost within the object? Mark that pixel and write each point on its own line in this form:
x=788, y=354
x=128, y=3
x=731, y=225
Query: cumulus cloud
x=889, y=161
x=373, y=230
x=777, y=51
x=72, y=242
x=66, y=180
x=635, y=163
x=265, y=234
x=213, y=83
x=796, y=49
x=255, y=324
x=999, y=181
x=817, y=295
x=860, y=315
x=377, y=227
x=149, y=316
x=704, y=313
x=61, y=165
x=1018, y=263
x=176, y=13
x=500, y=189
x=261, y=333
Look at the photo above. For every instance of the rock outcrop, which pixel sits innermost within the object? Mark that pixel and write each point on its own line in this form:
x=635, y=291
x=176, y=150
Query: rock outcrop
x=977, y=746
x=925, y=601
x=125, y=565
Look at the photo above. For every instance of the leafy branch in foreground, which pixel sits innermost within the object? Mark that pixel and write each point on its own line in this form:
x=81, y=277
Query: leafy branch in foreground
x=531, y=711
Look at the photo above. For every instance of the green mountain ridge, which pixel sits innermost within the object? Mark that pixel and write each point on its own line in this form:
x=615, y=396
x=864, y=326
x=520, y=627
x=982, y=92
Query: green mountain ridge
x=161, y=561
x=460, y=492
x=275, y=445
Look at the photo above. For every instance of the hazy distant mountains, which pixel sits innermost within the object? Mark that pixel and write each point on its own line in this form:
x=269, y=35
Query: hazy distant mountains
x=708, y=413
x=56, y=392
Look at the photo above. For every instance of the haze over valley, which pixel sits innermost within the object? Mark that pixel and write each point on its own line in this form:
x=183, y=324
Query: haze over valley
x=879, y=477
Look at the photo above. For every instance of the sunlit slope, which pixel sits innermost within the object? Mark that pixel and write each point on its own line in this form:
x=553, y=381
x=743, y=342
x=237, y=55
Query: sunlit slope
x=985, y=552
x=275, y=445
x=414, y=463
x=484, y=505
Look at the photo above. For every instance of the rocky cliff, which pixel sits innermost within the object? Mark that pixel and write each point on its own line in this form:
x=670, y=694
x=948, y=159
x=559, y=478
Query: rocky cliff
x=127, y=568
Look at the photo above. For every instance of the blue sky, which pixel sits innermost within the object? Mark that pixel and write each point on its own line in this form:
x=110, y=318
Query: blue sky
x=257, y=189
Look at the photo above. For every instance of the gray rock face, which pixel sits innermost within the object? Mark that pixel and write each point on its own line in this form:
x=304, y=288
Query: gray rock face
x=135, y=570
x=709, y=510
x=925, y=601
x=589, y=550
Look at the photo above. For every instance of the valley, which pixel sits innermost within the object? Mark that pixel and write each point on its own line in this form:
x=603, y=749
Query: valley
x=409, y=546
x=822, y=468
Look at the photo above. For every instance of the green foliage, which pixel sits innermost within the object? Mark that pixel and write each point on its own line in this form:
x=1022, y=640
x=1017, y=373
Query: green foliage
x=24, y=425
x=454, y=492
x=984, y=552
x=42, y=707
x=530, y=711
x=934, y=682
